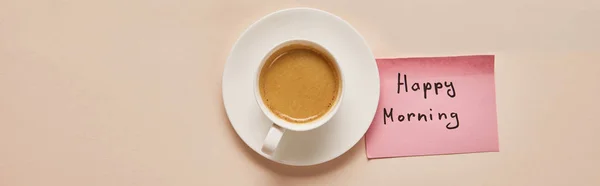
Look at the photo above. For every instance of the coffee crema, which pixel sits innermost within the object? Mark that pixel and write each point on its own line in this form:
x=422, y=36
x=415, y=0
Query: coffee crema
x=299, y=83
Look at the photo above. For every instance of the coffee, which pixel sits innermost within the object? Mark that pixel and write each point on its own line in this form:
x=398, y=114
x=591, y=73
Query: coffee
x=299, y=83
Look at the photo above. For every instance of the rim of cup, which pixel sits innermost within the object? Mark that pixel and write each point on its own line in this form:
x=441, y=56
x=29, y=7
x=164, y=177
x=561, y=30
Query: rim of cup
x=291, y=125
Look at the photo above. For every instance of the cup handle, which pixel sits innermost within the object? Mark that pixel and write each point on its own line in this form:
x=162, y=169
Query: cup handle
x=272, y=139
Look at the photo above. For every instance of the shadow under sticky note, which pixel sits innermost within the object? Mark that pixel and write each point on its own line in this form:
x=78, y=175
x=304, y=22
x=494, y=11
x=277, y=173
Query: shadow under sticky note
x=433, y=106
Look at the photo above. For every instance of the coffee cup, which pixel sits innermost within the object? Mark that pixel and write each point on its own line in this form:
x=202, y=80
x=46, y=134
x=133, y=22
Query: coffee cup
x=299, y=86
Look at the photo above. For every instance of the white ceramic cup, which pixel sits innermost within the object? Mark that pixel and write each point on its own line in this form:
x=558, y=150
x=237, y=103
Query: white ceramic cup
x=280, y=125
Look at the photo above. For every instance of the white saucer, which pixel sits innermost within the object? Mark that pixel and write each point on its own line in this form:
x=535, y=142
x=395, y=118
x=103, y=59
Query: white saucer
x=356, y=111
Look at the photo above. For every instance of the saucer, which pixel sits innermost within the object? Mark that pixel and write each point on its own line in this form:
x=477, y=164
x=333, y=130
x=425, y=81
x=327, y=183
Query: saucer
x=356, y=111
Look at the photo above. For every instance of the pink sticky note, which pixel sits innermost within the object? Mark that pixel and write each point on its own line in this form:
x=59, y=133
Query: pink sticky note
x=435, y=105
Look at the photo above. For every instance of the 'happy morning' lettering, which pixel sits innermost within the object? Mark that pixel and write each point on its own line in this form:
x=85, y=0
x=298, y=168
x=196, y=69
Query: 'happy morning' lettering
x=427, y=89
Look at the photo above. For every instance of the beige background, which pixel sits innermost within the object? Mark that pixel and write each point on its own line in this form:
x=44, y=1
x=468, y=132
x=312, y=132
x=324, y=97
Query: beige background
x=112, y=92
